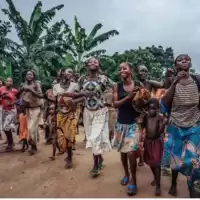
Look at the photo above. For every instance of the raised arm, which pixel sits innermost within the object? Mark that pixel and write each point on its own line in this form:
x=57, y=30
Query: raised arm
x=156, y=84
x=168, y=96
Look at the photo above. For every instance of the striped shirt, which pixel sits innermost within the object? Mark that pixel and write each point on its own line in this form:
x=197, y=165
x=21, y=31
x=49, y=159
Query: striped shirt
x=185, y=111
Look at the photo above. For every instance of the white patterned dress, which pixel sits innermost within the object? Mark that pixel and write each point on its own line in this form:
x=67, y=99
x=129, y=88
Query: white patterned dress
x=95, y=116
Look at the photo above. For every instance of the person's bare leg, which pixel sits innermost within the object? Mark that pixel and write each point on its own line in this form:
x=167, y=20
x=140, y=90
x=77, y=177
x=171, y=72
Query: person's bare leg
x=9, y=140
x=54, y=147
x=133, y=167
x=173, y=188
x=69, y=156
x=124, y=161
x=157, y=177
x=141, y=160
x=153, y=183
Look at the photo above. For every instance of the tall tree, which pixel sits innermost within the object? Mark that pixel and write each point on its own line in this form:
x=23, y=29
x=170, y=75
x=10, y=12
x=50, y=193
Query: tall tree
x=154, y=58
x=85, y=45
x=32, y=53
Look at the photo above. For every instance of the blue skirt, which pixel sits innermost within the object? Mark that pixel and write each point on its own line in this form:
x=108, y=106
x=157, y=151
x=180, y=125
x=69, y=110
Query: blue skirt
x=182, y=149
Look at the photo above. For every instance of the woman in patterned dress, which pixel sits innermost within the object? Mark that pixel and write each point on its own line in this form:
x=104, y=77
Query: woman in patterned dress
x=66, y=121
x=182, y=142
x=95, y=114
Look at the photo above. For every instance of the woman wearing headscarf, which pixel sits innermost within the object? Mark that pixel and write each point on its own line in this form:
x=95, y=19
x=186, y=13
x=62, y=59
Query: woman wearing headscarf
x=182, y=142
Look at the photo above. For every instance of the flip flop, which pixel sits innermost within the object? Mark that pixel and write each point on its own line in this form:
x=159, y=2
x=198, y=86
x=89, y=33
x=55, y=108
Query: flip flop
x=101, y=166
x=94, y=173
x=132, y=190
x=52, y=158
x=9, y=149
x=125, y=181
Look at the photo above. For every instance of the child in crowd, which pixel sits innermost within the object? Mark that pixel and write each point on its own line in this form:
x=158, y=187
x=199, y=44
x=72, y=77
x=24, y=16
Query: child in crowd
x=52, y=136
x=23, y=128
x=153, y=143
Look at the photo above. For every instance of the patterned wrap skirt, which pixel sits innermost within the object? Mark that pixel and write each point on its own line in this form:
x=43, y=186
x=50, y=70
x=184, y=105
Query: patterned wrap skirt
x=66, y=130
x=182, y=149
x=126, y=137
x=8, y=120
x=96, y=130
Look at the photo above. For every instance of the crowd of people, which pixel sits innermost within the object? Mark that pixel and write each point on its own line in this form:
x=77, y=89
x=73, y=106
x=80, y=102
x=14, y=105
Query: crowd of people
x=155, y=122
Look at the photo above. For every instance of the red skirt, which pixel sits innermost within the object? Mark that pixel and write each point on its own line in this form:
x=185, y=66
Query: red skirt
x=153, y=152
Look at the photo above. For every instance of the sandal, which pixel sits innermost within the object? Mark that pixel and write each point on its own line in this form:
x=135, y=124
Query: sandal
x=125, y=181
x=132, y=190
x=94, y=173
x=101, y=166
x=52, y=158
x=9, y=148
x=166, y=172
x=68, y=164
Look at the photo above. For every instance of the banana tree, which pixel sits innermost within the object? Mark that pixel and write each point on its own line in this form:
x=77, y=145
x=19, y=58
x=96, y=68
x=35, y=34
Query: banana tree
x=32, y=53
x=85, y=45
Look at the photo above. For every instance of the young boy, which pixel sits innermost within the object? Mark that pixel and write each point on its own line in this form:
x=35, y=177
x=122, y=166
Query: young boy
x=153, y=143
x=23, y=128
x=51, y=123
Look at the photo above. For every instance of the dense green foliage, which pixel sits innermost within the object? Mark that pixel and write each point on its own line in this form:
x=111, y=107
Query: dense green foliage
x=83, y=46
x=46, y=49
x=156, y=59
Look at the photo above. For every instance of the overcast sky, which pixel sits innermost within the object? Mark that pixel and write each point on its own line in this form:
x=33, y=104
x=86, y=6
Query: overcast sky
x=170, y=23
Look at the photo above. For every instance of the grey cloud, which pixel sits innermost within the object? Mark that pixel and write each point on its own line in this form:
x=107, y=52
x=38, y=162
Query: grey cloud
x=172, y=23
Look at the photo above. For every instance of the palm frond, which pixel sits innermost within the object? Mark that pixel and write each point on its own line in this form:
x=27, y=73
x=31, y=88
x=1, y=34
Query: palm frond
x=5, y=28
x=94, y=31
x=96, y=53
x=102, y=38
x=42, y=23
x=79, y=36
x=21, y=26
x=35, y=15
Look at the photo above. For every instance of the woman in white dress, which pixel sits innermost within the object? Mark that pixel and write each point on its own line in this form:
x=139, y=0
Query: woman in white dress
x=95, y=115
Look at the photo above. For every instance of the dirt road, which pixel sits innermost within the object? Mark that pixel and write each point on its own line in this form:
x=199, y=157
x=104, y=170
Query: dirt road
x=27, y=176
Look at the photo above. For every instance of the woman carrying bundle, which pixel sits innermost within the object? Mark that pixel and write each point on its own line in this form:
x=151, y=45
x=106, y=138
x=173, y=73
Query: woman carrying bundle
x=127, y=131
